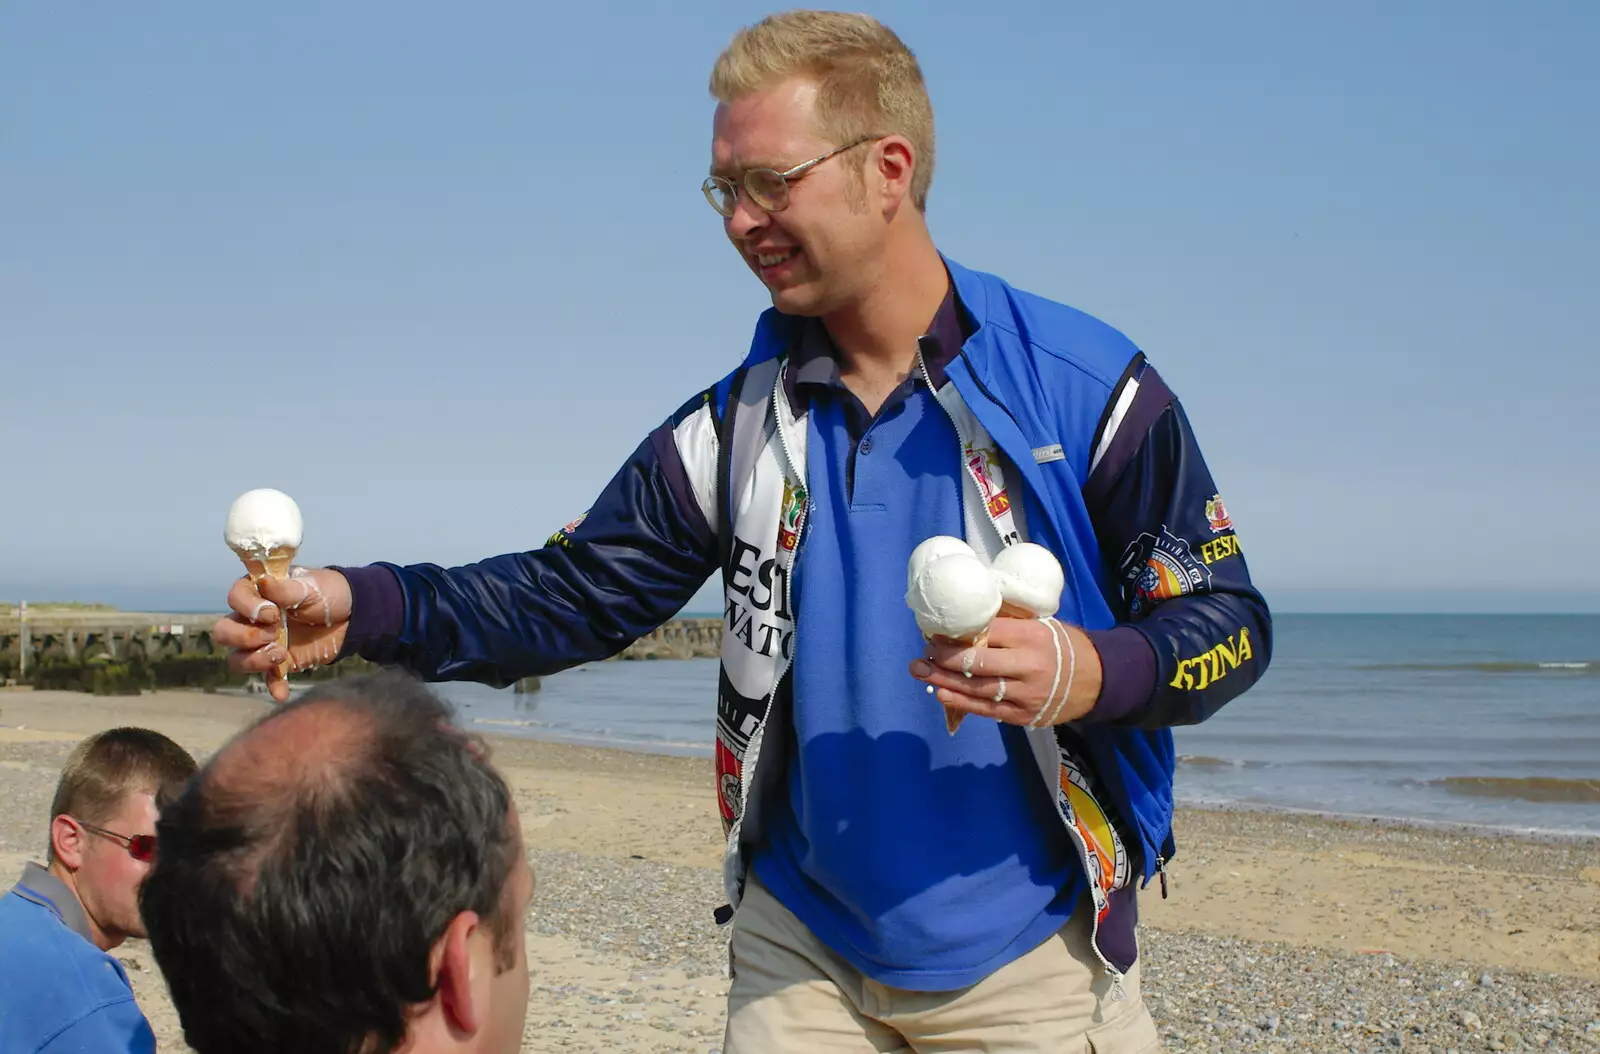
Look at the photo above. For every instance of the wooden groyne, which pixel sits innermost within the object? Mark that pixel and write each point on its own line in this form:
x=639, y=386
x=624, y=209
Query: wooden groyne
x=685, y=638
x=80, y=635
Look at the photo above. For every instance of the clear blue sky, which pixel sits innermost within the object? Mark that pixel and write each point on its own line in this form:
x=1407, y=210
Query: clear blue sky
x=436, y=269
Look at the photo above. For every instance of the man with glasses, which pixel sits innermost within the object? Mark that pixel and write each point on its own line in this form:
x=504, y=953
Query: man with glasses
x=59, y=989
x=893, y=884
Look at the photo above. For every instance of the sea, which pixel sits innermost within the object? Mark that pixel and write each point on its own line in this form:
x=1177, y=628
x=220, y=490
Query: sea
x=1490, y=721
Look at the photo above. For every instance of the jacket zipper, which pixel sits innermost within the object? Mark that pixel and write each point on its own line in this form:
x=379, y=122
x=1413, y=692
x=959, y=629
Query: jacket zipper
x=753, y=750
x=962, y=439
x=1085, y=855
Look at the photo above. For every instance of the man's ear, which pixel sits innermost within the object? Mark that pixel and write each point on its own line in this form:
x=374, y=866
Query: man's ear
x=66, y=842
x=454, y=979
x=896, y=162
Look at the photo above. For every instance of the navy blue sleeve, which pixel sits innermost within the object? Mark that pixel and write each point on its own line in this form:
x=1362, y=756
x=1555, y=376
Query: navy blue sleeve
x=1179, y=573
x=626, y=566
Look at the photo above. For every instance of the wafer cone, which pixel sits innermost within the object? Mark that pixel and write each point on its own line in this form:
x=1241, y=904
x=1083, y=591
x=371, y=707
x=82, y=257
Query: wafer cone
x=953, y=718
x=271, y=563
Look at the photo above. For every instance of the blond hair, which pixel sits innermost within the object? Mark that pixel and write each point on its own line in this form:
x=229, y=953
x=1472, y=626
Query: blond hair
x=868, y=81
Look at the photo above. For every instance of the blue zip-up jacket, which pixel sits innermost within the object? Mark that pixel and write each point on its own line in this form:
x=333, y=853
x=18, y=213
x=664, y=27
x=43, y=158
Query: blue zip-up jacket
x=1111, y=479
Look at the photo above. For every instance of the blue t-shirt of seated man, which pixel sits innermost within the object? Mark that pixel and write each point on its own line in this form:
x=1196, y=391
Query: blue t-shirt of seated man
x=59, y=993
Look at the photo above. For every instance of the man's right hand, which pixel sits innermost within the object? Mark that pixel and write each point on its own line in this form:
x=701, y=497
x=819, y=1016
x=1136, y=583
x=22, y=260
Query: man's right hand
x=317, y=601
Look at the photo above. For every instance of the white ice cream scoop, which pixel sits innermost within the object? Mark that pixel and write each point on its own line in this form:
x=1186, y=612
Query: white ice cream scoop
x=1030, y=580
x=930, y=550
x=263, y=521
x=264, y=530
x=954, y=596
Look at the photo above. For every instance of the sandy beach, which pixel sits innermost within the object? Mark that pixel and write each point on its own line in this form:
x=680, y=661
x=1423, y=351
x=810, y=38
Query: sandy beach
x=1281, y=931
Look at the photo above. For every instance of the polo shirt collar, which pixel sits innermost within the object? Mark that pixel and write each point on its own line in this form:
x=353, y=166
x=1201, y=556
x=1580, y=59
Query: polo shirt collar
x=814, y=361
x=46, y=890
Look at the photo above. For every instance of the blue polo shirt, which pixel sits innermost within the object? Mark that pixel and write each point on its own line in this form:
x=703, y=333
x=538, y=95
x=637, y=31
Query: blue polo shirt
x=59, y=993
x=926, y=860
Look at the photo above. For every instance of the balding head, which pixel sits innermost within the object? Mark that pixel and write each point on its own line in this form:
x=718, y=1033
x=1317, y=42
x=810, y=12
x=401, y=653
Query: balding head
x=301, y=765
x=309, y=876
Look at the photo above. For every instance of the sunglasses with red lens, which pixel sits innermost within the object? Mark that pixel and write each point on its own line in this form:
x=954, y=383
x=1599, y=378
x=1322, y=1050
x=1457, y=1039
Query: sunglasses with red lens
x=142, y=847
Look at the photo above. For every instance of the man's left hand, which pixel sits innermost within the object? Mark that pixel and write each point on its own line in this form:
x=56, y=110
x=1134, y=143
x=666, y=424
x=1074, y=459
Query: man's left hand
x=1020, y=652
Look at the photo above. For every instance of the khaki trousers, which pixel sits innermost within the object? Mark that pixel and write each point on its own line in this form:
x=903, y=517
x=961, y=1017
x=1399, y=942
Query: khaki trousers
x=790, y=993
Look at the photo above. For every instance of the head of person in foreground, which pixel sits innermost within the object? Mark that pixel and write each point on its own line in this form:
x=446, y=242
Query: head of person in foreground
x=345, y=876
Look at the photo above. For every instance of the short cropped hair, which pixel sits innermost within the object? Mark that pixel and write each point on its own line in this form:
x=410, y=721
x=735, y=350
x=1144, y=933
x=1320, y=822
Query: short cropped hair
x=868, y=81
x=108, y=766
x=294, y=903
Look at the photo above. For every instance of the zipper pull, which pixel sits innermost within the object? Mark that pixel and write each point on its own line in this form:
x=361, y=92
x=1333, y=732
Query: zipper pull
x=1161, y=870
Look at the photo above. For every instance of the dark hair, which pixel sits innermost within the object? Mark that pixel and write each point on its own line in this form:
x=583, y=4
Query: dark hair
x=104, y=769
x=298, y=892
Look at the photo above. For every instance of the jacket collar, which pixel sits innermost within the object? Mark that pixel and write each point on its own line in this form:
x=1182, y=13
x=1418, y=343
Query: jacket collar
x=813, y=360
x=46, y=890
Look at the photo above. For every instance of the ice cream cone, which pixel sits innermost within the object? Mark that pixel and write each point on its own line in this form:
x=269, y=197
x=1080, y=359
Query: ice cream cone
x=953, y=718
x=264, y=530
x=271, y=563
x=954, y=596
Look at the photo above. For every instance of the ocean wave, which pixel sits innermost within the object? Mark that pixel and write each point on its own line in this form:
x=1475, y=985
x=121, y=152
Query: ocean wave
x=1523, y=788
x=1540, y=832
x=1205, y=761
x=1564, y=666
x=593, y=737
x=1319, y=744
x=1398, y=765
x=1568, y=719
